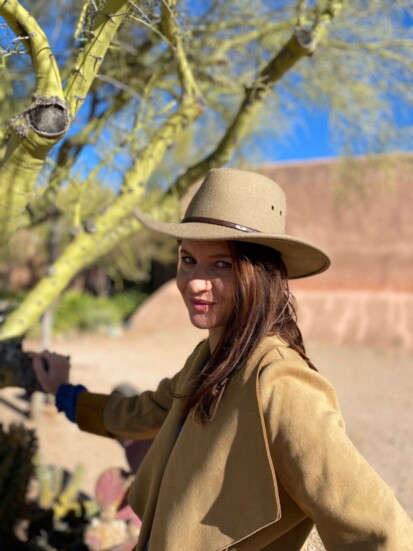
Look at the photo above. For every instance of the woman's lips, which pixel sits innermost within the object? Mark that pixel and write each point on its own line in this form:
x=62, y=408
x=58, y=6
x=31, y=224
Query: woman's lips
x=201, y=305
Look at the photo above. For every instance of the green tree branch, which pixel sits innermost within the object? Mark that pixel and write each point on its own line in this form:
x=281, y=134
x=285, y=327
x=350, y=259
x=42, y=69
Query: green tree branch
x=26, y=28
x=301, y=44
x=37, y=129
x=107, y=22
x=34, y=132
x=107, y=229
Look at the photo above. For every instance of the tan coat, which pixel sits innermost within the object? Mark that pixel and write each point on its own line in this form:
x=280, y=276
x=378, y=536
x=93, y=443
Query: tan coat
x=274, y=460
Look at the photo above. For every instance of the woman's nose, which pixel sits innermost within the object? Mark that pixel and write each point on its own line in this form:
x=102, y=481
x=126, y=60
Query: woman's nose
x=199, y=281
x=198, y=285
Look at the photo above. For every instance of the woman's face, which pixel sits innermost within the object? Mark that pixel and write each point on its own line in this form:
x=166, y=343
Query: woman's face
x=205, y=281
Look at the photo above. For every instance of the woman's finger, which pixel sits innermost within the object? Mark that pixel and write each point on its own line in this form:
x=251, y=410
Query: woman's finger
x=39, y=369
x=52, y=370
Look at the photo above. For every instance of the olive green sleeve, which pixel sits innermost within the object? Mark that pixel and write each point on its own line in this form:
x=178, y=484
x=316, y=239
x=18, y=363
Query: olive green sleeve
x=89, y=412
x=315, y=461
x=130, y=417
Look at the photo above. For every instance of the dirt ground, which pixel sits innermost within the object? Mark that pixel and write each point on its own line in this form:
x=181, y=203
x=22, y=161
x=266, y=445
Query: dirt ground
x=374, y=387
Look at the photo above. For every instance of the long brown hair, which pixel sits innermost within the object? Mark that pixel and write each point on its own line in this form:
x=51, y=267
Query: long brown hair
x=263, y=305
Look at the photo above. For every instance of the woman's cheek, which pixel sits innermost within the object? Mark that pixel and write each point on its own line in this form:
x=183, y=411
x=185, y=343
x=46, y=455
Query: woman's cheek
x=181, y=282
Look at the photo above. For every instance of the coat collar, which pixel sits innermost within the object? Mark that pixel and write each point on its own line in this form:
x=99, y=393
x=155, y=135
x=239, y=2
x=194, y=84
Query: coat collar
x=214, y=465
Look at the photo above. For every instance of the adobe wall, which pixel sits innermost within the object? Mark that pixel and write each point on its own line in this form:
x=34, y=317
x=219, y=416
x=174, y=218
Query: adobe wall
x=364, y=220
x=361, y=214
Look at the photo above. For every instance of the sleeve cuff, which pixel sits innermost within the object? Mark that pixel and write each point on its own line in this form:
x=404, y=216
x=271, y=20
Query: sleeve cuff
x=66, y=398
x=89, y=413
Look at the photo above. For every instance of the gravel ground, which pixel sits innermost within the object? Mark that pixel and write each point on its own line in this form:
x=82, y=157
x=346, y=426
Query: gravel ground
x=314, y=543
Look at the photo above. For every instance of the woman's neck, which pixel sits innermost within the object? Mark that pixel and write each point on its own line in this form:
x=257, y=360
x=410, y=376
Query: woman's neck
x=215, y=335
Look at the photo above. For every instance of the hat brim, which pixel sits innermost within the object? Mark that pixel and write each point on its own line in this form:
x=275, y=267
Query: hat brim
x=301, y=258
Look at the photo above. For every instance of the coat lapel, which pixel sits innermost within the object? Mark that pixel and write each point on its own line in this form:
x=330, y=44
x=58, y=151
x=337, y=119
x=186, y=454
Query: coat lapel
x=144, y=491
x=196, y=482
x=242, y=452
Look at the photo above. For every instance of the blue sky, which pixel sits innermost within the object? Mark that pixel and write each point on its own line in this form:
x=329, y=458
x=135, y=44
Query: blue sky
x=313, y=140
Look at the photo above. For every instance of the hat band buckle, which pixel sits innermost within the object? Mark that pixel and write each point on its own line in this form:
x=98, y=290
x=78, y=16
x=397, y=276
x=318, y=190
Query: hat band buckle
x=217, y=222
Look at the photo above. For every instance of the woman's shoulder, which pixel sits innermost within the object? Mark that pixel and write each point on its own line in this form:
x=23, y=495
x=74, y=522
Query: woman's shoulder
x=283, y=372
x=274, y=349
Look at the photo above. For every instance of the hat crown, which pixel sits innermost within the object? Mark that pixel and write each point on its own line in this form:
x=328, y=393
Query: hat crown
x=237, y=205
x=242, y=198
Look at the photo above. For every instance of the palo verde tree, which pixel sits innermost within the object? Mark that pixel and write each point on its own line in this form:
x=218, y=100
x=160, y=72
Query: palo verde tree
x=145, y=96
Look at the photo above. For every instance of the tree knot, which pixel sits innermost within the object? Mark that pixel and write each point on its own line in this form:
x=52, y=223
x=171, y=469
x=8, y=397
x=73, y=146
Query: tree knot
x=305, y=39
x=48, y=116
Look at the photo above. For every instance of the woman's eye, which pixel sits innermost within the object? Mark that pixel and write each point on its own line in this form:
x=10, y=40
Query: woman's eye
x=223, y=264
x=187, y=259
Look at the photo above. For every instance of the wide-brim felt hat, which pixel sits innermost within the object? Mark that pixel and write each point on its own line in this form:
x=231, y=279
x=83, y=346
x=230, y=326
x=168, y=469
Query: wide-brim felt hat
x=239, y=205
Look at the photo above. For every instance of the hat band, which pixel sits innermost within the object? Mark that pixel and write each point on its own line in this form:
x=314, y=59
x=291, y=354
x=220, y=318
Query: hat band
x=217, y=222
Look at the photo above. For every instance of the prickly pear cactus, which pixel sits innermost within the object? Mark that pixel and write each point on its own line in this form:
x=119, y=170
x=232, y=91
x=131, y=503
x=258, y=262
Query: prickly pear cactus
x=59, y=491
x=17, y=448
x=117, y=526
x=110, y=491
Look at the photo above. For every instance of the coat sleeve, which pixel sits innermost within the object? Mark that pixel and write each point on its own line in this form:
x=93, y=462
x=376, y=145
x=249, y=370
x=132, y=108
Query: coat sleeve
x=134, y=417
x=352, y=507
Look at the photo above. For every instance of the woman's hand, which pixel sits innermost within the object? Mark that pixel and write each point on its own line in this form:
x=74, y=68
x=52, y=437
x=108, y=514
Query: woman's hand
x=52, y=370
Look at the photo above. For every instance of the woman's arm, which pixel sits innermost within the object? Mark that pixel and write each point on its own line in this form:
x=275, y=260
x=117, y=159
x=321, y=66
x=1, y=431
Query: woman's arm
x=137, y=417
x=320, y=468
x=127, y=417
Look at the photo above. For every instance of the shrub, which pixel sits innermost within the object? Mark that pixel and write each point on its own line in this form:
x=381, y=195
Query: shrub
x=79, y=311
x=84, y=312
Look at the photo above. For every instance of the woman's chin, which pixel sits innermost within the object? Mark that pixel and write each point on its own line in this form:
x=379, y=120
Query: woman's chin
x=200, y=325
x=200, y=322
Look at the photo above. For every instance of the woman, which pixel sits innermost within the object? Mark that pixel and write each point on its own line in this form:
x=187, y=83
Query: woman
x=250, y=449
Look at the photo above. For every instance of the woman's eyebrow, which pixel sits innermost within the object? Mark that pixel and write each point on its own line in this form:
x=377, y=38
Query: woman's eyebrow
x=215, y=255
x=220, y=255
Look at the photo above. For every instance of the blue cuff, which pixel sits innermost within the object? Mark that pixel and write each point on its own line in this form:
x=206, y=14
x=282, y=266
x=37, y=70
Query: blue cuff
x=66, y=398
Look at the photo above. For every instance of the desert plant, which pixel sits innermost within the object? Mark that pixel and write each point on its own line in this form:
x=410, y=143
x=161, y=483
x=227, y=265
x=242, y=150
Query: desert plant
x=16, y=367
x=116, y=526
x=58, y=511
x=102, y=522
x=17, y=448
x=59, y=491
x=77, y=311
